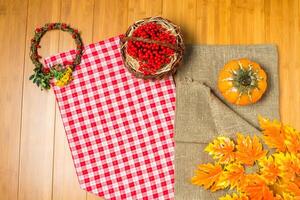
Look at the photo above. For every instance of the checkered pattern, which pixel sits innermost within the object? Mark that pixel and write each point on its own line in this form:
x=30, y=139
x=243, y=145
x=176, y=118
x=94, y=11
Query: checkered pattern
x=119, y=128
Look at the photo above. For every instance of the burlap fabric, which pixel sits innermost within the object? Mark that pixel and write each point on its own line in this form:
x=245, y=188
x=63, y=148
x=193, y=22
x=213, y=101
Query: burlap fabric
x=202, y=114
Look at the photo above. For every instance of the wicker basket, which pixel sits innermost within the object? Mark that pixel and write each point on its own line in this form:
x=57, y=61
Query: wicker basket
x=133, y=65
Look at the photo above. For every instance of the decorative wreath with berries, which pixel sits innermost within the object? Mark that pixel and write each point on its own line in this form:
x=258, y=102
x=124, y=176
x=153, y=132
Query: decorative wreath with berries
x=152, y=48
x=62, y=73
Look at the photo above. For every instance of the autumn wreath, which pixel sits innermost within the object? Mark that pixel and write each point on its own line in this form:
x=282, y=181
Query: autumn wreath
x=61, y=72
x=249, y=169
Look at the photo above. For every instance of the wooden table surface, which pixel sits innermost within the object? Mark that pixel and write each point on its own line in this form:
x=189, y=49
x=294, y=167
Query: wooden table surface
x=35, y=162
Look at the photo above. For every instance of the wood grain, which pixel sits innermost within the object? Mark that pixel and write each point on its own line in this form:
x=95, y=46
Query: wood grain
x=35, y=161
x=184, y=14
x=12, y=35
x=213, y=22
x=282, y=28
x=38, y=112
x=110, y=18
x=142, y=9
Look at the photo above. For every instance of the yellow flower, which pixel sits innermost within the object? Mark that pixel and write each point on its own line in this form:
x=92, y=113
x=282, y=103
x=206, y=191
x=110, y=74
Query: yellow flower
x=66, y=78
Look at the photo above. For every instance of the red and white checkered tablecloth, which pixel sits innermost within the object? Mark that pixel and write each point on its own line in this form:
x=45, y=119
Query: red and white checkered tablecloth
x=119, y=128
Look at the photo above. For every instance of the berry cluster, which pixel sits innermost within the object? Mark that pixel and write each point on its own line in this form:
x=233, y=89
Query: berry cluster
x=151, y=56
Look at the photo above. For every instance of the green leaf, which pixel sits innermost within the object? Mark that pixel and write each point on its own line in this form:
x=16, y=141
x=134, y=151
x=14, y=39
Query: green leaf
x=31, y=77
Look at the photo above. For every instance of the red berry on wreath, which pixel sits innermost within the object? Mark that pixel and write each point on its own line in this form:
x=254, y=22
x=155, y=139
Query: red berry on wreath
x=46, y=70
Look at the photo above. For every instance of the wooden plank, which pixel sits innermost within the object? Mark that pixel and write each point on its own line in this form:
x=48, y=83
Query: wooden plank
x=13, y=15
x=144, y=8
x=182, y=13
x=79, y=14
x=110, y=19
x=247, y=24
x=37, y=134
x=282, y=28
x=213, y=22
x=230, y=22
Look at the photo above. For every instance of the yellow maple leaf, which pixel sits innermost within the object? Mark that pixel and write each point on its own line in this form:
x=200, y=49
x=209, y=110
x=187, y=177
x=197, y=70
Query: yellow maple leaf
x=287, y=196
x=256, y=188
x=287, y=189
x=249, y=150
x=273, y=132
x=292, y=139
x=221, y=149
x=208, y=175
x=288, y=164
x=269, y=170
x=294, y=189
x=234, y=197
x=297, y=181
x=232, y=176
x=245, y=166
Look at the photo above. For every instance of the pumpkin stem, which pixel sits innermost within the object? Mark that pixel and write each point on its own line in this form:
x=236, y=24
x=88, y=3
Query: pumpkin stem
x=245, y=80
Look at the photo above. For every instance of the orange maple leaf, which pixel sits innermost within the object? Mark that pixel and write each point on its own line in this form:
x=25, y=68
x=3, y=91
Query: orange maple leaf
x=288, y=164
x=273, y=132
x=221, y=149
x=234, y=197
x=256, y=189
x=269, y=170
x=208, y=175
x=248, y=150
x=292, y=139
x=297, y=181
x=232, y=176
x=286, y=196
x=293, y=188
x=245, y=166
x=288, y=190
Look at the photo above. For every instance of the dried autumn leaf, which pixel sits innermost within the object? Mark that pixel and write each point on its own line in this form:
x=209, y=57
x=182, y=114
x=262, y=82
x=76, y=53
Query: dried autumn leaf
x=248, y=169
x=278, y=197
x=288, y=196
x=256, y=188
x=269, y=171
x=288, y=164
x=292, y=139
x=234, y=197
x=222, y=149
x=288, y=189
x=207, y=175
x=232, y=176
x=293, y=188
x=273, y=132
x=248, y=150
x=297, y=181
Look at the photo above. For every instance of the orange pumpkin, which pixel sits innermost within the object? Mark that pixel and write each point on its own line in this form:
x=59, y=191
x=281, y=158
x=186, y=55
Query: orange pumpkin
x=242, y=82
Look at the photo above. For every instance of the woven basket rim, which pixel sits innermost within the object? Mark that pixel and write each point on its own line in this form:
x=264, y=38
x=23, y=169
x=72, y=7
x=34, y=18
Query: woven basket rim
x=132, y=64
